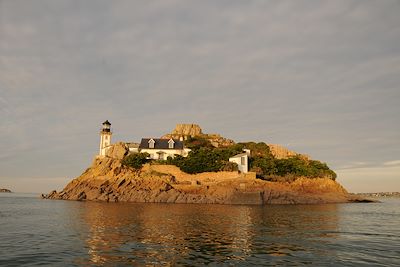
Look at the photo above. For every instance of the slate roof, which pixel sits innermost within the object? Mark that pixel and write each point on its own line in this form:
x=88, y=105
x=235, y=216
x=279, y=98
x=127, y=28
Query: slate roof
x=239, y=155
x=160, y=143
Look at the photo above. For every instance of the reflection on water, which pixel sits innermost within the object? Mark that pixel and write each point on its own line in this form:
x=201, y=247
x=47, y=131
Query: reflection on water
x=36, y=232
x=199, y=234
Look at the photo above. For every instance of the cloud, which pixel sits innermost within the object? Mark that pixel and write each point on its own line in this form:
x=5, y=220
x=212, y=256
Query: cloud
x=354, y=165
x=392, y=163
x=365, y=165
x=370, y=179
x=321, y=76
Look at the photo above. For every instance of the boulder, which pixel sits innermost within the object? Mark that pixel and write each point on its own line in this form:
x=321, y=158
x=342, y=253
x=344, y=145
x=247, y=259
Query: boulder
x=52, y=195
x=82, y=196
x=187, y=130
x=117, y=151
x=4, y=190
x=193, y=130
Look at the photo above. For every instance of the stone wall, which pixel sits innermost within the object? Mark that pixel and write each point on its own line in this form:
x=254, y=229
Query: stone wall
x=201, y=177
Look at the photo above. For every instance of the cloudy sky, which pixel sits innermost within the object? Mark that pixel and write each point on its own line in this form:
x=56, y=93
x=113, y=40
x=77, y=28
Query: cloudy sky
x=320, y=77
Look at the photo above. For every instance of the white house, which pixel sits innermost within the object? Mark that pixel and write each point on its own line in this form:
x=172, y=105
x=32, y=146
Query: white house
x=133, y=147
x=159, y=148
x=242, y=160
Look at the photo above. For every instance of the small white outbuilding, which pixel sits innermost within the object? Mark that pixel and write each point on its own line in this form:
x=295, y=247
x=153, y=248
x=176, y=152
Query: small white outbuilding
x=242, y=160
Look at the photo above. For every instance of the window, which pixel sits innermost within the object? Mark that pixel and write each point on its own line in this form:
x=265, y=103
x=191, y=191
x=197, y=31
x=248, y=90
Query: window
x=243, y=161
x=151, y=143
x=171, y=143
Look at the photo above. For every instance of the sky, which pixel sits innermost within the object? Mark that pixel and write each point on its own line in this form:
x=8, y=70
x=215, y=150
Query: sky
x=319, y=77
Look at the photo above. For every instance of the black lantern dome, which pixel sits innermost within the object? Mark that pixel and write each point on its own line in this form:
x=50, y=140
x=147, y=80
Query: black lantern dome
x=106, y=126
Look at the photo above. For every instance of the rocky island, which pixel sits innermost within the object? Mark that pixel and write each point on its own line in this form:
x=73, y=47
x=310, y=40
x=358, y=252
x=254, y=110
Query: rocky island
x=204, y=169
x=4, y=190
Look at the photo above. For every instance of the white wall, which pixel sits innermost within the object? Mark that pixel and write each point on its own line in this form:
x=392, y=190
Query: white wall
x=105, y=141
x=238, y=160
x=167, y=152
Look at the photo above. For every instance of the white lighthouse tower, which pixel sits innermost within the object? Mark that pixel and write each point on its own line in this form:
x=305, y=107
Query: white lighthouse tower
x=105, y=137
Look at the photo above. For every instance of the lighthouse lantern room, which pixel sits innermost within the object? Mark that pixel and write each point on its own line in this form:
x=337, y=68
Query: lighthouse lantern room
x=105, y=137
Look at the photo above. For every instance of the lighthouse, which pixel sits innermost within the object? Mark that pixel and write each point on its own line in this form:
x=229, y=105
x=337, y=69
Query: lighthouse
x=105, y=137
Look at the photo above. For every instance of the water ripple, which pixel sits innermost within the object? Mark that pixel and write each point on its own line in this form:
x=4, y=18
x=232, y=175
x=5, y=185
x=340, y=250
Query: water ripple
x=36, y=232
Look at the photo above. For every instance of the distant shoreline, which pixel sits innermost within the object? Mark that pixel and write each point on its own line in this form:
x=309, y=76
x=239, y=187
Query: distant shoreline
x=379, y=194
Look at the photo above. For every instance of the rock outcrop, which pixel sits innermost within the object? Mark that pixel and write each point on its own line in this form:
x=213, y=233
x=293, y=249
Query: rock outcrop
x=185, y=131
x=108, y=180
x=4, y=190
x=281, y=152
x=117, y=151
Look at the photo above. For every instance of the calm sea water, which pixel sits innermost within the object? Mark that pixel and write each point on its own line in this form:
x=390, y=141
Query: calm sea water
x=37, y=232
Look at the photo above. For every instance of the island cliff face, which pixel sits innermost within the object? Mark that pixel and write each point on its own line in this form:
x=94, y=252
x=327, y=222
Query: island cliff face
x=108, y=180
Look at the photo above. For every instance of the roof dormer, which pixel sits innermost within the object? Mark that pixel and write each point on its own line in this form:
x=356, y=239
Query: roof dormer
x=171, y=143
x=151, y=143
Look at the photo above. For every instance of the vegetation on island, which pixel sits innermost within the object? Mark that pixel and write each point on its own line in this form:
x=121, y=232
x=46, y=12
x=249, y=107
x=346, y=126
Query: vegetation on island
x=204, y=157
x=135, y=160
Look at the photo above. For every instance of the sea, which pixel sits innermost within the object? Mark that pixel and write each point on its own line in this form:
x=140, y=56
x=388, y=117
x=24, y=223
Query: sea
x=37, y=232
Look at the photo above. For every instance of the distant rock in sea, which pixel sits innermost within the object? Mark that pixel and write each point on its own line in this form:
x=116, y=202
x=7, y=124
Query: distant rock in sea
x=4, y=190
x=379, y=194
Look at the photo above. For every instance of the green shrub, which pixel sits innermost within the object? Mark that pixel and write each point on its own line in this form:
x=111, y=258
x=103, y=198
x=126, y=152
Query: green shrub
x=262, y=165
x=257, y=149
x=201, y=160
x=302, y=167
x=293, y=165
x=206, y=158
x=229, y=167
x=135, y=160
x=319, y=169
x=197, y=142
